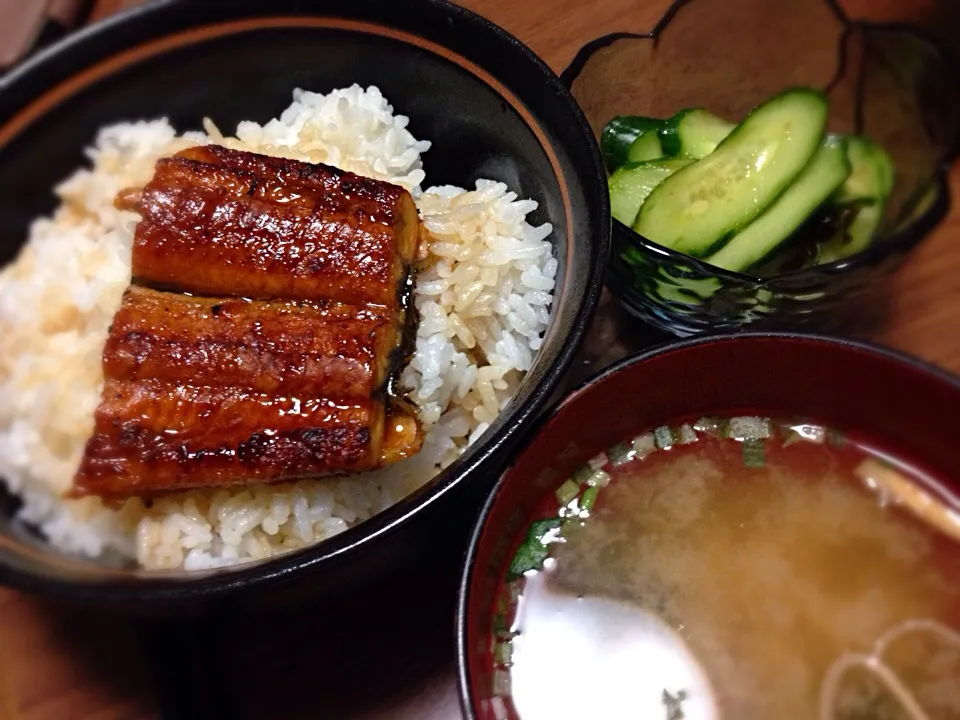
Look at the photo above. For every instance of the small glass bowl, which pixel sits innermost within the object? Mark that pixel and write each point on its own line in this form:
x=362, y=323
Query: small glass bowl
x=889, y=82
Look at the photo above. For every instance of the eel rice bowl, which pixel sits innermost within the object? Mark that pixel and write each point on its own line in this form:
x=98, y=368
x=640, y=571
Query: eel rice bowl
x=483, y=297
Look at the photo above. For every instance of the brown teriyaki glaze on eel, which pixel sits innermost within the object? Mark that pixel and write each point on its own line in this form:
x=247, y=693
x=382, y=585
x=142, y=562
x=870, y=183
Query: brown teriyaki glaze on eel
x=224, y=222
x=268, y=320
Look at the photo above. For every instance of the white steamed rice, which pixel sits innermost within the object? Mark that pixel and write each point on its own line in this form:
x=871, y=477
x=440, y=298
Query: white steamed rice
x=484, y=301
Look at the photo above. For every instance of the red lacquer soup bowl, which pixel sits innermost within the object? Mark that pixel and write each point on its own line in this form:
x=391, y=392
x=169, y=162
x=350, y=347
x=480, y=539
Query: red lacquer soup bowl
x=905, y=406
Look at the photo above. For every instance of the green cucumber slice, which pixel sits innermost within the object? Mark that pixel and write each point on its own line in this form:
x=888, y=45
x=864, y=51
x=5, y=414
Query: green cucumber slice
x=826, y=172
x=871, y=179
x=856, y=237
x=645, y=148
x=869, y=185
x=695, y=210
x=694, y=134
x=631, y=184
x=618, y=135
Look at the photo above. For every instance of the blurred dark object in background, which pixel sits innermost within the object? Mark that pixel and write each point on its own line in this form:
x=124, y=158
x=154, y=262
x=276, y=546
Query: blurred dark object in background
x=27, y=25
x=943, y=22
x=940, y=18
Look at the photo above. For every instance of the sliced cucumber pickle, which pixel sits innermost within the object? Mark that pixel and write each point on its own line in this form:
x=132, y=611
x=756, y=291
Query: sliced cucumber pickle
x=619, y=134
x=694, y=134
x=698, y=208
x=631, y=184
x=869, y=185
x=823, y=175
x=871, y=178
x=645, y=148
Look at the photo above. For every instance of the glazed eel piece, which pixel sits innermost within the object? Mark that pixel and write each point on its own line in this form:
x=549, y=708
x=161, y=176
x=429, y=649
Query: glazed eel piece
x=313, y=347
x=278, y=364
x=272, y=228
x=152, y=437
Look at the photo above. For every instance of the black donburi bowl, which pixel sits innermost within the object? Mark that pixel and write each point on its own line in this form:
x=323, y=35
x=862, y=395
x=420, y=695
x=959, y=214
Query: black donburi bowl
x=490, y=107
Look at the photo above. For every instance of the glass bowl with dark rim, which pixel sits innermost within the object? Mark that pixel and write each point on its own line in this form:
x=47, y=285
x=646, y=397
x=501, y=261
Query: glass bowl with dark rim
x=889, y=400
x=889, y=82
x=491, y=108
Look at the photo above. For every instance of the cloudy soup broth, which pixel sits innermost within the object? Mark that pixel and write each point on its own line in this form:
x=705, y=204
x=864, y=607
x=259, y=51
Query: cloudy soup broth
x=734, y=568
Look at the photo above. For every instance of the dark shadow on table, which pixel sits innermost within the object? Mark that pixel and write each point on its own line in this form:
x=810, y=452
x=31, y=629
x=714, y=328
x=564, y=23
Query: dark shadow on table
x=387, y=653
x=383, y=651
x=89, y=664
x=942, y=20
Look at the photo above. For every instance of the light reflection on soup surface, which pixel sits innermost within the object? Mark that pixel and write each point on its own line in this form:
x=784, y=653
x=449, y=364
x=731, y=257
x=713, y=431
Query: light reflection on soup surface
x=698, y=587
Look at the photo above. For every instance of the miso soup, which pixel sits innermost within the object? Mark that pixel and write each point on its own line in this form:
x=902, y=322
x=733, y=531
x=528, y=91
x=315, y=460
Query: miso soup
x=739, y=569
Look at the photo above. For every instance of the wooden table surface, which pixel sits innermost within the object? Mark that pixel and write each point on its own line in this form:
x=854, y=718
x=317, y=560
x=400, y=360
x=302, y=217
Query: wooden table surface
x=59, y=663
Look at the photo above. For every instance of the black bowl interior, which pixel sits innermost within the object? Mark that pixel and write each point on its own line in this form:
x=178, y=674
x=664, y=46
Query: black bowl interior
x=510, y=121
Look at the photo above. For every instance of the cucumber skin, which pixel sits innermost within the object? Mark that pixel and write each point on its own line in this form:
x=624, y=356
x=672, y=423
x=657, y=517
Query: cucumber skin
x=672, y=134
x=618, y=135
x=669, y=134
x=711, y=240
x=622, y=131
x=826, y=171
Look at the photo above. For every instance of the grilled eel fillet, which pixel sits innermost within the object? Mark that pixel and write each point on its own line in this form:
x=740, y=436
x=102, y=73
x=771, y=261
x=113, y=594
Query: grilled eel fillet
x=277, y=365
x=223, y=222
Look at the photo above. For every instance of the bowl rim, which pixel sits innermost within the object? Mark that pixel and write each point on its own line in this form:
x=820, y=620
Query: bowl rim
x=174, y=587
x=465, y=688
x=899, y=241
